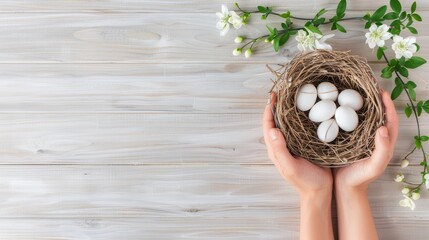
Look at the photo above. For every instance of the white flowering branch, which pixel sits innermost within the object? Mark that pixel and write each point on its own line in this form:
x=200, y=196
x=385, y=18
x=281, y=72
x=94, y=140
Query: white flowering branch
x=310, y=37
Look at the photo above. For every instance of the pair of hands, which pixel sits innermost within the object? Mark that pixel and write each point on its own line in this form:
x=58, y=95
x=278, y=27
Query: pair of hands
x=309, y=178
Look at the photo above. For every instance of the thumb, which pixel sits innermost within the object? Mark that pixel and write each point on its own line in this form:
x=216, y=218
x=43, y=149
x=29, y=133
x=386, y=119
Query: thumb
x=280, y=151
x=382, y=152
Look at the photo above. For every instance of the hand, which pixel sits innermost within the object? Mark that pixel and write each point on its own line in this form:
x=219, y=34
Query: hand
x=302, y=174
x=360, y=174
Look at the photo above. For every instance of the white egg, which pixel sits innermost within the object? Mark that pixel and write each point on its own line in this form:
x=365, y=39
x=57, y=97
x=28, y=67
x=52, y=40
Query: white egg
x=327, y=91
x=347, y=118
x=328, y=130
x=306, y=97
x=322, y=111
x=351, y=98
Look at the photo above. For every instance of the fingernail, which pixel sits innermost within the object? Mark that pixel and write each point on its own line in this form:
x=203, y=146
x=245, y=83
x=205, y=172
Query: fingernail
x=383, y=132
x=273, y=134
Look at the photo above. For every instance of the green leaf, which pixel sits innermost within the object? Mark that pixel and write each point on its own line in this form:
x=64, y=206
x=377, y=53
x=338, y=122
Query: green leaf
x=263, y=17
x=262, y=9
x=321, y=12
x=391, y=16
x=418, y=47
x=379, y=13
x=318, y=21
x=424, y=138
x=387, y=74
x=403, y=71
x=396, y=92
x=367, y=25
x=367, y=16
x=412, y=30
x=418, y=143
x=395, y=31
x=425, y=106
x=276, y=44
x=398, y=81
x=416, y=17
x=285, y=15
x=380, y=52
x=403, y=15
x=411, y=84
x=413, y=7
x=396, y=6
x=314, y=29
x=408, y=111
x=284, y=38
x=419, y=108
x=340, y=28
x=284, y=26
x=270, y=29
x=341, y=8
x=414, y=62
x=412, y=93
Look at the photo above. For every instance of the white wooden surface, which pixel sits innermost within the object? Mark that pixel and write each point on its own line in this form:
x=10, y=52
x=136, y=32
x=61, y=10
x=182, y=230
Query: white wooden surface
x=131, y=120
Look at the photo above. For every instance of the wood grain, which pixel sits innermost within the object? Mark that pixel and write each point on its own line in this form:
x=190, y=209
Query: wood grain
x=198, y=201
x=147, y=38
x=185, y=5
x=172, y=88
x=139, y=138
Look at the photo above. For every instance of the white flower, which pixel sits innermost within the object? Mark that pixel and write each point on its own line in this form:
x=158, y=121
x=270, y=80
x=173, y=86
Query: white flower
x=377, y=35
x=405, y=190
x=239, y=39
x=404, y=47
x=309, y=41
x=236, y=52
x=404, y=163
x=248, y=53
x=399, y=178
x=415, y=196
x=235, y=20
x=223, y=23
x=427, y=180
x=407, y=202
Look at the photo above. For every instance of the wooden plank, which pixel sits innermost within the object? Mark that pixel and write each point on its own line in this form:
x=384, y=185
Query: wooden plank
x=175, y=88
x=147, y=38
x=189, y=227
x=138, y=138
x=188, y=201
x=184, y=5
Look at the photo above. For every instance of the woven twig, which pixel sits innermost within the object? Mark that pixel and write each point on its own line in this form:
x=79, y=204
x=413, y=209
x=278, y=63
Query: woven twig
x=345, y=71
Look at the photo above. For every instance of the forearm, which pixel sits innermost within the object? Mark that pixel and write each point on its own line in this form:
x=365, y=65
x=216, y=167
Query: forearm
x=316, y=221
x=355, y=220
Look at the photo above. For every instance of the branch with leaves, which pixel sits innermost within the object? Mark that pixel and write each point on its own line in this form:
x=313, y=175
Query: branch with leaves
x=383, y=26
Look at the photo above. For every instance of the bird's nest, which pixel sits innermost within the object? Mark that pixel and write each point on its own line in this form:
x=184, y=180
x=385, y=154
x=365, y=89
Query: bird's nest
x=345, y=71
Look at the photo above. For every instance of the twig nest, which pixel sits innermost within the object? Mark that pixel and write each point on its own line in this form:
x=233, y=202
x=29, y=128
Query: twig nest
x=328, y=107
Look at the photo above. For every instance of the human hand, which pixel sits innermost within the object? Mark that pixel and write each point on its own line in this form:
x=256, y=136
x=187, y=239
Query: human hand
x=302, y=174
x=358, y=175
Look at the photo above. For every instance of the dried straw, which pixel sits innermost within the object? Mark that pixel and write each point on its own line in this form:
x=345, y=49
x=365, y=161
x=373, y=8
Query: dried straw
x=345, y=72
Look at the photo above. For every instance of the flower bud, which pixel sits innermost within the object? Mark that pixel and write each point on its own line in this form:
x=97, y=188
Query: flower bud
x=239, y=39
x=236, y=52
x=272, y=42
x=248, y=53
x=399, y=178
x=405, y=190
x=415, y=196
x=266, y=40
x=404, y=163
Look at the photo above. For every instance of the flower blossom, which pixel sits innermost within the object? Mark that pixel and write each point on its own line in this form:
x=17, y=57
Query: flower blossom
x=407, y=202
x=223, y=23
x=377, y=35
x=399, y=178
x=308, y=40
x=404, y=47
x=226, y=18
x=235, y=20
x=426, y=177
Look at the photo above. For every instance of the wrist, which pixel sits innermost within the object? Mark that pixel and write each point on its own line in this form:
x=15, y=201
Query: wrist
x=319, y=198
